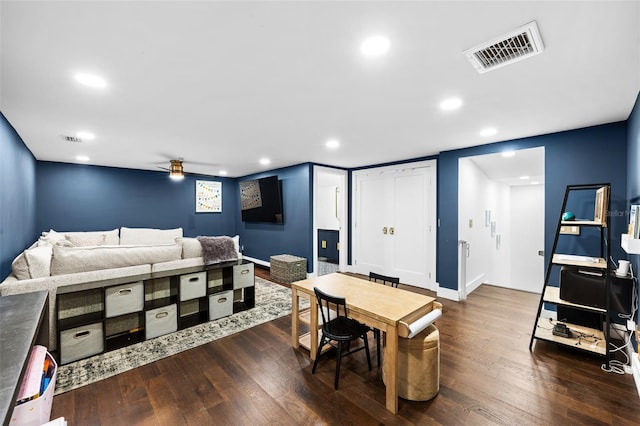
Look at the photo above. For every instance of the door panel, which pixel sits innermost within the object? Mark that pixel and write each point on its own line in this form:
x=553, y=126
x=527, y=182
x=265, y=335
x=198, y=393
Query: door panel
x=371, y=221
x=409, y=219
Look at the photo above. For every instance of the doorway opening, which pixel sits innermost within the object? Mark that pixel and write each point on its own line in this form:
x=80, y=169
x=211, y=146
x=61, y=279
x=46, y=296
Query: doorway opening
x=329, y=236
x=501, y=219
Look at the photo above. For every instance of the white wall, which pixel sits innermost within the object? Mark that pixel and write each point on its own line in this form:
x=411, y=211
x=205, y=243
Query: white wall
x=328, y=206
x=477, y=194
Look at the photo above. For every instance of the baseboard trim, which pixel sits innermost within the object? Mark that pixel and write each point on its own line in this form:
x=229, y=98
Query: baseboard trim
x=447, y=293
x=258, y=261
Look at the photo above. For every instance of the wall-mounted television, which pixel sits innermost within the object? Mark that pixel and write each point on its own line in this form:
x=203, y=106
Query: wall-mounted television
x=261, y=200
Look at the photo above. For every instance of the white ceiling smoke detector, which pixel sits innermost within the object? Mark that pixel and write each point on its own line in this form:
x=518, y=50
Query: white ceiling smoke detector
x=519, y=44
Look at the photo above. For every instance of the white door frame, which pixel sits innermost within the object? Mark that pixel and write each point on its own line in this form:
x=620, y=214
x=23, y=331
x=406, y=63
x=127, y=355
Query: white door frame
x=343, y=234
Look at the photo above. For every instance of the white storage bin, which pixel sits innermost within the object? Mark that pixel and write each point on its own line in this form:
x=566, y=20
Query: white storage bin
x=161, y=321
x=243, y=275
x=220, y=305
x=193, y=286
x=81, y=342
x=124, y=299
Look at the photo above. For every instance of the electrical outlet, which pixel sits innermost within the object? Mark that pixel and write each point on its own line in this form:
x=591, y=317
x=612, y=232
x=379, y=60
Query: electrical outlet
x=631, y=326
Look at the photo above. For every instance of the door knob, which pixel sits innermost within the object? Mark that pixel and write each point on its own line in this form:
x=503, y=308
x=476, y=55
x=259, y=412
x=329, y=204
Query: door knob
x=392, y=231
x=384, y=230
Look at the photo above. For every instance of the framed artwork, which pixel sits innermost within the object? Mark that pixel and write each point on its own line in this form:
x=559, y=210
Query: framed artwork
x=208, y=196
x=601, y=205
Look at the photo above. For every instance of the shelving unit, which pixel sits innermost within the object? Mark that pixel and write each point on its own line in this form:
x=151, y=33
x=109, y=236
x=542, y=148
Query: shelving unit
x=583, y=337
x=111, y=314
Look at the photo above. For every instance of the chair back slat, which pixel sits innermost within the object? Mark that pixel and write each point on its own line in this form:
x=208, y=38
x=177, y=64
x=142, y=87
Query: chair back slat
x=330, y=303
x=393, y=281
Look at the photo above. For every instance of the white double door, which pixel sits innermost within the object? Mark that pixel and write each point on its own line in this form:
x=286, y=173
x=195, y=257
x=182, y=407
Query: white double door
x=395, y=223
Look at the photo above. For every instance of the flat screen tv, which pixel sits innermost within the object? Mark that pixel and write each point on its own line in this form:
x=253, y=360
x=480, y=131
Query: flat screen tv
x=261, y=200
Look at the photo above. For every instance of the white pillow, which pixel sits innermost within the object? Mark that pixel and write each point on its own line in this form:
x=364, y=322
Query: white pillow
x=85, y=240
x=20, y=267
x=53, y=238
x=39, y=261
x=149, y=236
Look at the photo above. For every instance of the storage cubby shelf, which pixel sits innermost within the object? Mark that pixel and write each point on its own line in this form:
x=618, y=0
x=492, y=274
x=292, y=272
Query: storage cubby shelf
x=584, y=261
x=594, y=343
x=552, y=295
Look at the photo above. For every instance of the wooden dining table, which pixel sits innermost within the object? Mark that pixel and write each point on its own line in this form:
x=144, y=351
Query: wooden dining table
x=388, y=309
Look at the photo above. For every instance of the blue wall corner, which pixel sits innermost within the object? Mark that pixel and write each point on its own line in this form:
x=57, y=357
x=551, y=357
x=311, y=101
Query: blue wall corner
x=263, y=240
x=17, y=198
x=633, y=171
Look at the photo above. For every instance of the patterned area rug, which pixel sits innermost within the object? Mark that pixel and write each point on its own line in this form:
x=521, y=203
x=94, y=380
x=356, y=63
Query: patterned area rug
x=272, y=301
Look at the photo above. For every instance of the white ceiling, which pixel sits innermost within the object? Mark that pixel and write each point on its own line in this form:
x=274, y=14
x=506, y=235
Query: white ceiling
x=524, y=167
x=223, y=84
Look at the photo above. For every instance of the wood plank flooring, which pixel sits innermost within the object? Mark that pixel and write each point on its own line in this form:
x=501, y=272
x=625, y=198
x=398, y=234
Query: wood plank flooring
x=488, y=376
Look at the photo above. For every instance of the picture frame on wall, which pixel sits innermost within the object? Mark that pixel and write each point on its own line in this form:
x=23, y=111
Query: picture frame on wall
x=208, y=196
x=600, y=212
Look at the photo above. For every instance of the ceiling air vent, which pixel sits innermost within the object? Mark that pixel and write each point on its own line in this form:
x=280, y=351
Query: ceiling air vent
x=71, y=138
x=514, y=46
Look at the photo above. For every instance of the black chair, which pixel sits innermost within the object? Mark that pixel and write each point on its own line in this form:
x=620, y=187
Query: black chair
x=338, y=327
x=393, y=281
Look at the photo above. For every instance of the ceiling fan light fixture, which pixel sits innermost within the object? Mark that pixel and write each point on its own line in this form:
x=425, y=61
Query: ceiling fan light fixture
x=176, y=171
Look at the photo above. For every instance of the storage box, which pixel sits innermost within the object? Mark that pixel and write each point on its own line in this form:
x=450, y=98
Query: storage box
x=193, y=286
x=124, y=299
x=161, y=321
x=243, y=276
x=37, y=411
x=81, y=342
x=220, y=305
x=286, y=268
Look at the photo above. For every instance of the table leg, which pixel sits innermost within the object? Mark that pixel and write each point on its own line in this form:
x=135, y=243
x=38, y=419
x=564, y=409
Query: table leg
x=391, y=368
x=313, y=327
x=295, y=320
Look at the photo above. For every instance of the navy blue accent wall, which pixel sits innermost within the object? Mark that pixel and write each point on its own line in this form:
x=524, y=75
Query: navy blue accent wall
x=294, y=236
x=633, y=169
x=590, y=155
x=17, y=196
x=73, y=197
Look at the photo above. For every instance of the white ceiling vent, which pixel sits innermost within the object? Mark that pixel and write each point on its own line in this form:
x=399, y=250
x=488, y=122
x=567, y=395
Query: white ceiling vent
x=514, y=46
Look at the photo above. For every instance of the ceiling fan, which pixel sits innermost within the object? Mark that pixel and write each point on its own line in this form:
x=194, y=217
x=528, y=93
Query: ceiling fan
x=176, y=167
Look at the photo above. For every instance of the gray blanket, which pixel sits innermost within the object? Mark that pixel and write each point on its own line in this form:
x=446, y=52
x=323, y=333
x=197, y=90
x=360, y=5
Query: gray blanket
x=217, y=249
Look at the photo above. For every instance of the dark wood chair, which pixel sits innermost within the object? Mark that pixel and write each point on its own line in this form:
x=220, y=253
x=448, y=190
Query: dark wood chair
x=393, y=282
x=338, y=327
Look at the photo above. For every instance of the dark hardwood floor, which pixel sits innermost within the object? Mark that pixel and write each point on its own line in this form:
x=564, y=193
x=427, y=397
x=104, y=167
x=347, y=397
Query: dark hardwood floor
x=488, y=376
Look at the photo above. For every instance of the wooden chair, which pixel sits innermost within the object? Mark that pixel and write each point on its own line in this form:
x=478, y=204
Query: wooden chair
x=341, y=329
x=393, y=281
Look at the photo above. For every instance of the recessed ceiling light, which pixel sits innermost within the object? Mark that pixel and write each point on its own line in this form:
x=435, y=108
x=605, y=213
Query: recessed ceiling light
x=332, y=143
x=489, y=131
x=508, y=153
x=535, y=182
x=451, y=104
x=375, y=46
x=91, y=80
x=87, y=136
x=82, y=158
x=525, y=177
x=222, y=173
x=265, y=161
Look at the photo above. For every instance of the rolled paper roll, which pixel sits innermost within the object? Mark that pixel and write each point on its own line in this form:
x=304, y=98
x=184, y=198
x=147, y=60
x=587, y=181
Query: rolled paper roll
x=424, y=322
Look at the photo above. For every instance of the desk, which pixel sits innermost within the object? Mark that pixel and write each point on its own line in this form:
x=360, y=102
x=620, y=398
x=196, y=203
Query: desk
x=385, y=308
x=24, y=322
